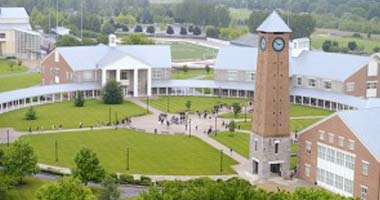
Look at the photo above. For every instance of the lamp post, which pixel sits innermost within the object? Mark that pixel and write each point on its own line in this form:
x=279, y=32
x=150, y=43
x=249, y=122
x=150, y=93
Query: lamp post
x=168, y=104
x=109, y=116
x=127, y=158
x=116, y=121
x=8, y=138
x=221, y=160
x=216, y=121
x=147, y=104
x=245, y=112
x=189, y=127
x=56, y=150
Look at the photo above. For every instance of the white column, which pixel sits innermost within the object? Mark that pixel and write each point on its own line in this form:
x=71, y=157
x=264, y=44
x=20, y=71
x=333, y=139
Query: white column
x=104, y=77
x=118, y=75
x=135, y=82
x=149, y=82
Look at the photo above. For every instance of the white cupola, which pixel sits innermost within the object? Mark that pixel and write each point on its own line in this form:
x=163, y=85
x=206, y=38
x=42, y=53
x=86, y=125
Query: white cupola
x=112, y=40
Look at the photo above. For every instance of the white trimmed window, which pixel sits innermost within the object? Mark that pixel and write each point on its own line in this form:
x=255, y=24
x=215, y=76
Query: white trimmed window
x=321, y=135
x=299, y=81
x=340, y=158
x=156, y=74
x=307, y=170
x=250, y=76
x=276, y=146
x=363, y=192
x=348, y=186
x=371, y=84
x=232, y=75
x=330, y=155
x=350, y=162
x=321, y=152
x=351, y=145
x=341, y=141
x=350, y=87
x=331, y=138
x=312, y=82
x=339, y=182
x=330, y=178
x=308, y=147
x=327, y=85
x=321, y=175
x=365, y=167
x=124, y=75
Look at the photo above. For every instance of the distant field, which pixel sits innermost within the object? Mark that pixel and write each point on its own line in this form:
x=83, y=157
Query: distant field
x=10, y=67
x=19, y=81
x=242, y=14
x=180, y=74
x=363, y=43
x=182, y=51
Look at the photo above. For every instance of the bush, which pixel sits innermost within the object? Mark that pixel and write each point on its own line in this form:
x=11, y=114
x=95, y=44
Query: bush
x=352, y=45
x=170, y=30
x=30, y=114
x=376, y=49
x=197, y=31
x=126, y=179
x=213, y=32
x=183, y=31
x=232, y=126
x=151, y=30
x=79, y=100
x=145, y=181
x=138, y=29
x=191, y=29
x=356, y=35
x=112, y=93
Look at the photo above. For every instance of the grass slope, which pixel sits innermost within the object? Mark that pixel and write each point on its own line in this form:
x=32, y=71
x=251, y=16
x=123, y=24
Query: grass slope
x=179, y=74
x=5, y=67
x=19, y=81
x=68, y=115
x=295, y=124
x=177, y=103
x=182, y=51
x=149, y=154
x=26, y=191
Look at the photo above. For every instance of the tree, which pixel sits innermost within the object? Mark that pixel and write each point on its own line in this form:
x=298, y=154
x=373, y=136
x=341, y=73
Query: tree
x=125, y=19
x=67, y=40
x=6, y=183
x=376, y=49
x=107, y=28
x=185, y=68
x=136, y=39
x=151, y=29
x=112, y=93
x=208, y=69
x=352, y=45
x=111, y=192
x=255, y=19
x=20, y=161
x=30, y=114
x=232, y=126
x=88, y=167
x=66, y=188
x=236, y=108
x=188, y=105
x=197, y=31
x=213, y=32
x=183, y=31
x=170, y=30
x=138, y=29
x=103, y=39
x=79, y=100
x=191, y=29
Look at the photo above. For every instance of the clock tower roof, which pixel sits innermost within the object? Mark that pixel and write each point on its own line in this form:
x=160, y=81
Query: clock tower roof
x=274, y=24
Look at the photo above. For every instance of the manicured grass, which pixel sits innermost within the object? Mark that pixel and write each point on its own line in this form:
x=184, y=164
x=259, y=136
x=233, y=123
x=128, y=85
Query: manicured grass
x=179, y=74
x=149, y=153
x=295, y=111
x=68, y=115
x=19, y=81
x=363, y=43
x=239, y=142
x=182, y=51
x=10, y=67
x=26, y=191
x=295, y=124
x=177, y=103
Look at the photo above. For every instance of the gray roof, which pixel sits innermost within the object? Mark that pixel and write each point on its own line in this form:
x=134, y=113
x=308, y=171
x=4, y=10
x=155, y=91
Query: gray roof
x=203, y=84
x=44, y=90
x=91, y=57
x=332, y=66
x=23, y=26
x=364, y=125
x=13, y=12
x=247, y=40
x=274, y=24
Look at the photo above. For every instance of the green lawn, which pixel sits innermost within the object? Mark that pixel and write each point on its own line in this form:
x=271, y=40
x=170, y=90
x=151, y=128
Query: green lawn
x=182, y=51
x=19, y=81
x=10, y=67
x=27, y=191
x=295, y=124
x=363, y=43
x=149, y=153
x=177, y=103
x=295, y=111
x=68, y=115
x=179, y=74
x=240, y=13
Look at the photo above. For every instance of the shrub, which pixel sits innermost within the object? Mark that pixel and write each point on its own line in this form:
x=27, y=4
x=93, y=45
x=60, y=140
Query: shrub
x=145, y=181
x=151, y=30
x=197, y=31
x=112, y=93
x=30, y=114
x=352, y=45
x=126, y=179
x=138, y=29
x=213, y=32
x=170, y=30
x=191, y=29
x=356, y=35
x=19, y=62
x=232, y=126
x=183, y=31
x=376, y=49
x=185, y=68
x=79, y=100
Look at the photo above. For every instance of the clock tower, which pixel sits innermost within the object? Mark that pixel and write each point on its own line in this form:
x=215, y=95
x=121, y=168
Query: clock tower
x=270, y=138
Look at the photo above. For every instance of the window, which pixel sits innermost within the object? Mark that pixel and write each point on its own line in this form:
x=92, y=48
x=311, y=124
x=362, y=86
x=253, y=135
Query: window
x=350, y=87
x=232, y=75
x=363, y=192
x=351, y=145
x=341, y=141
x=276, y=146
x=321, y=175
x=312, y=82
x=299, y=80
x=350, y=162
x=372, y=68
x=371, y=84
x=87, y=76
x=308, y=147
x=340, y=158
x=2, y=35
x=348, y=185
x=307, y=170
x=321, y=152
x=327, y=85
x=156, y=74
x=339, y=182
x=365, y=167
x=330, y=178
x=124, y=75
x=256, y=143
x=321, y=135
x=330, y=156
x=250, y=76
x=331, y=138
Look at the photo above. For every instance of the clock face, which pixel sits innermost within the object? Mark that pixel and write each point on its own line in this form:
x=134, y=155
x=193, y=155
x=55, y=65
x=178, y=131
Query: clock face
x=278, y=44
x=263, y=43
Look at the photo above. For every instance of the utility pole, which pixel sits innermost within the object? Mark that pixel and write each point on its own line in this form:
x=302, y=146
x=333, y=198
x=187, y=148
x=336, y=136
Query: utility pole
x=127, y=158
x=109, y=116
x=147, y=104
x=8, y=138
x=221, y=160
x=56, y=150
x=245, y=112
x=168, y=105
x=189, y=127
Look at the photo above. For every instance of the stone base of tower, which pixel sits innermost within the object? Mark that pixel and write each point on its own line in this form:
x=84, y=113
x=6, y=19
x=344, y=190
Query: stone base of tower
x=270, y=156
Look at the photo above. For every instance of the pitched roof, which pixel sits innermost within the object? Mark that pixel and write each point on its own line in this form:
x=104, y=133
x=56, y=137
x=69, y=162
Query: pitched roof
x=332, y=66
x=274, y=24
x=247, y=40
x=13, y=12
x=91, y=57
x=362, y=123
